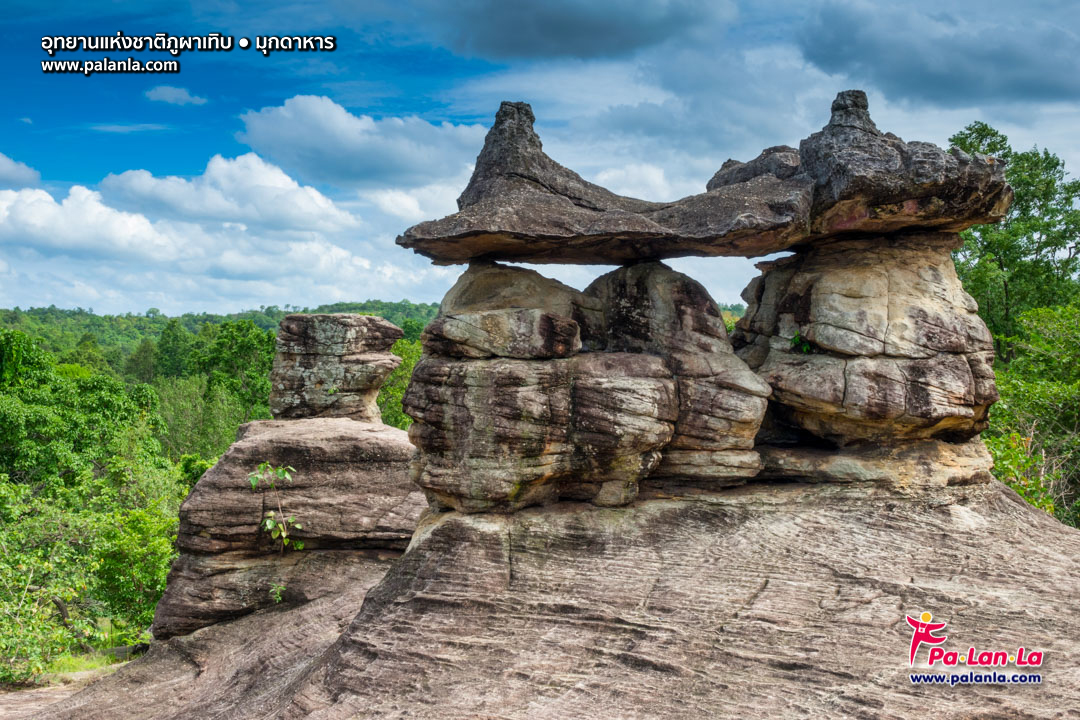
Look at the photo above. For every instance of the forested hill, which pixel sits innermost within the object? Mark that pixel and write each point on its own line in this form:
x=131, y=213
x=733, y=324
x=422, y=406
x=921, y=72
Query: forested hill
x=118, y=336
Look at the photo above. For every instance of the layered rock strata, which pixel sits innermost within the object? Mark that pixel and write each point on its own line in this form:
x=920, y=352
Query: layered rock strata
x=650, y=308
x=763, y=601
x=531, y=391
x=850, y=177
x=331, y=366
x=350, y=492
x=871, y=339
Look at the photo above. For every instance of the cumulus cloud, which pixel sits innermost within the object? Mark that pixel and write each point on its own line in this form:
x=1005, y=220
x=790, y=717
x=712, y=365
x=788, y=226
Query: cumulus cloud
x=80, y=223
x=640, y=180
x=921, y=51
x=246, y=189
x=14, y=174
x=174, y=95
x=318, y=140
x=426, y=202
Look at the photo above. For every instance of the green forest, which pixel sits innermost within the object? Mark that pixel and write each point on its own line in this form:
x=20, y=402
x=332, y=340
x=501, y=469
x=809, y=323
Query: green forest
x=107, y=421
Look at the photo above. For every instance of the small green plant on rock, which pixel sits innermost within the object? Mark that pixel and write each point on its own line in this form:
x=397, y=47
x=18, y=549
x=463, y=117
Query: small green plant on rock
x=277, y=522
x=801, y=344
x=276, y=593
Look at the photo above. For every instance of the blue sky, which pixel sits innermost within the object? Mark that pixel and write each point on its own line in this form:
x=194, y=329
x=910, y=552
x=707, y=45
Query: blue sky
x=246, y=180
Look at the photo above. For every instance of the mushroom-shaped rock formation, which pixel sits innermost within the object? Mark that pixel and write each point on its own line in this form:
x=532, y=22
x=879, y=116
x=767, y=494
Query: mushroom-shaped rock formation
x=331, y=366
x=522, y=205
x=865, y=497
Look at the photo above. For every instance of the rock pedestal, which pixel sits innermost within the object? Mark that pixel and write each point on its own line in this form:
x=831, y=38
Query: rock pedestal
x=530, y=391
x=350, y=490
x=871, y=339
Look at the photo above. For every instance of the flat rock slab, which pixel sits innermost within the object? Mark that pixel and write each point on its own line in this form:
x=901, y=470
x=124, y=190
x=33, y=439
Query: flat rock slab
x=521, y=205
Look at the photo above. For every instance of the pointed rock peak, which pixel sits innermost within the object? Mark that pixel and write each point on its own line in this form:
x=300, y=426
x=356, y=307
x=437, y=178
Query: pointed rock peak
x=516, y=113
x=511, y=147
x=850, y=108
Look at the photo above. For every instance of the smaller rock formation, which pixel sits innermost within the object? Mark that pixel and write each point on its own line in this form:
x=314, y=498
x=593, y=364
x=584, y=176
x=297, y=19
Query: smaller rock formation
x=331, y=366
x=350, y=490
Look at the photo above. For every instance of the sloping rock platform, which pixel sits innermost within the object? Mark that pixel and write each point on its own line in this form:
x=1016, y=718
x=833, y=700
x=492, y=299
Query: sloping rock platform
x=767, y=600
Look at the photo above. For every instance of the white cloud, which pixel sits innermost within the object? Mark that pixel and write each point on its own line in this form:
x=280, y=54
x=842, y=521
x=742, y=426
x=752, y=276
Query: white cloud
x=80, y=223
x=426, y=202
x=246, y=189
x=174, y=95
x=320, y=141
x=16, y=174
x=640, y=180
x=26, y=120
x=234, y=250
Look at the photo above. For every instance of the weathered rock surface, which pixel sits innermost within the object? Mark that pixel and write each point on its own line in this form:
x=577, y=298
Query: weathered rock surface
x=781, y=161
x=501, y=434
x=764, y=601
x=522, y=205
x=234, y=669
x=909, y=465
x=871, y=339
x=351, y=493
x=875, y=182
x=531, y=391
x=650, y=308
x=331, y=366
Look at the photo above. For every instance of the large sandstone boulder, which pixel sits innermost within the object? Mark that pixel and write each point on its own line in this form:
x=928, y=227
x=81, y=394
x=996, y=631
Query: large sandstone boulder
x=350, y=492
x=501, y=434
x=331, y=366
x=650, y=308
x=531, y=391
x=871, y=339
x=503, y=311
x=850, y=177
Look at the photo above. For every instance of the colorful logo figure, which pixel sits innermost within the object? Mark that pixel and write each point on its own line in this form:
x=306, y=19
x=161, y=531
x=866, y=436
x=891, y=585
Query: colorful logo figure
x=924, y=633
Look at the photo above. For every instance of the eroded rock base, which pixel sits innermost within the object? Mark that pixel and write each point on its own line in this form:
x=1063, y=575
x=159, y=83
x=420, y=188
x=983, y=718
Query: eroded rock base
x=775, y=599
